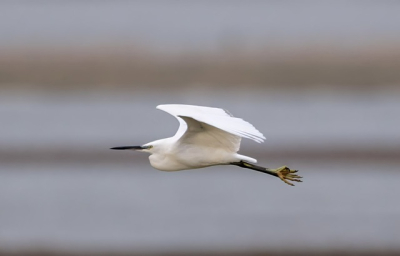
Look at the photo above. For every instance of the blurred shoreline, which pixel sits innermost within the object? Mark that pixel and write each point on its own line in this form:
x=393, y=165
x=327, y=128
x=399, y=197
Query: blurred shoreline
x=142, y=69
x=205, y=253
x=97, y=155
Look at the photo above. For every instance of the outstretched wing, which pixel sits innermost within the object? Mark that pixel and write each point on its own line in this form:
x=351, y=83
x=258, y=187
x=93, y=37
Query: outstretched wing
x=216, y=122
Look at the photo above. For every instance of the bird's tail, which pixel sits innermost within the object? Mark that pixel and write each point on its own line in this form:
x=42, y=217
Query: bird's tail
x=246, y=159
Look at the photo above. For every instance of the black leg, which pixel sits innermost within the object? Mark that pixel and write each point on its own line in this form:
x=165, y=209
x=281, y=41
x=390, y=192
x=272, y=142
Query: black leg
x=284, y=173
x=255, y=168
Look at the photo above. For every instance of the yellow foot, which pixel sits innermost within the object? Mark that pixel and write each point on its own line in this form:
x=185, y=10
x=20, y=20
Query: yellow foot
x=286, y=174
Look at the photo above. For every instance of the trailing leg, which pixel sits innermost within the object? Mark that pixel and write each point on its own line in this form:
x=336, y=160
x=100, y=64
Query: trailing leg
x=284, y=173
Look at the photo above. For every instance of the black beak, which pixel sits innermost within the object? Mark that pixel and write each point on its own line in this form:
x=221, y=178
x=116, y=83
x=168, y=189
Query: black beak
x=129, y=147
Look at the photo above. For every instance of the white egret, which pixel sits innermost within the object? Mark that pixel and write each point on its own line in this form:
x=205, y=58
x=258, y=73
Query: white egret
x=206, y=136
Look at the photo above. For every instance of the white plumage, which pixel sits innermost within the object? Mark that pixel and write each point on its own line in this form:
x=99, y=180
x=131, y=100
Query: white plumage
x=215, y=117
x=206, y=136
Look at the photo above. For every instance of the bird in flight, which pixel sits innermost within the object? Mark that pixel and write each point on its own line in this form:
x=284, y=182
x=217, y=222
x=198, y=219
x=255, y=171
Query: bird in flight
x=206, y=136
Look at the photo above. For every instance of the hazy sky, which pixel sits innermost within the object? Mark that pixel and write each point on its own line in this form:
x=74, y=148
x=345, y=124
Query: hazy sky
x=197, y=24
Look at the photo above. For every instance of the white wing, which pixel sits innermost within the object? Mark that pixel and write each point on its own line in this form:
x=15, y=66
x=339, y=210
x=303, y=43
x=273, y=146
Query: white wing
x=218, y=123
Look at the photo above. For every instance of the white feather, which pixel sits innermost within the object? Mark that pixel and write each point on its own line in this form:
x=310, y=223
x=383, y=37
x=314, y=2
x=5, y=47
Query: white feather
x=215, y=117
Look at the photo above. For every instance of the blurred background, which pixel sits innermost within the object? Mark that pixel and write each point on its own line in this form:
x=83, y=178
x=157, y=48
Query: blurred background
x=320, y=79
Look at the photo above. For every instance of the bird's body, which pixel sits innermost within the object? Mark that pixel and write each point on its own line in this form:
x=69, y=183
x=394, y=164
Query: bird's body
x=176, y=156
x=183, y=156
x=199, y=142
x=206, y=137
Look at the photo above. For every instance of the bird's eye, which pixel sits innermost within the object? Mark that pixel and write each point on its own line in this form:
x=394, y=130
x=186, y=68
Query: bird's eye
x=149, y=147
